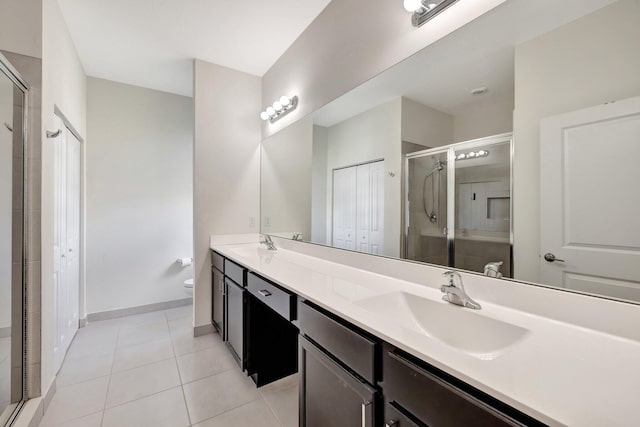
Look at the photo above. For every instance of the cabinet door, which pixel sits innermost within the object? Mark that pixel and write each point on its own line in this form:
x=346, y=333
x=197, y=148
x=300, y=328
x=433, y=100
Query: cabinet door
x=217, y=303
x=235, y=321
x=330, y=396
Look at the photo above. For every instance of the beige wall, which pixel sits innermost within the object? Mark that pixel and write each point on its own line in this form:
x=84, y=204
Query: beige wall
x=139, y=201
x=319, y=186
x=63, y=85
x=372, y=135
x=425, y=126
x=490, y=116
x=285, y=180
x=21, y=27
x=585, y=63
x=226, y=166
x=350, y=42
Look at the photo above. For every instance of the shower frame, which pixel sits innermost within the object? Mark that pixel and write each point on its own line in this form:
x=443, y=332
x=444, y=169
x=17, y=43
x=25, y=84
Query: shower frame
x=451, y=189
x=14, y=76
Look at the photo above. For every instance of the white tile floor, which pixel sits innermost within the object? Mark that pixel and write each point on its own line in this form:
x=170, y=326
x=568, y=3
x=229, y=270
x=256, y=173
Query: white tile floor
x=148, y=370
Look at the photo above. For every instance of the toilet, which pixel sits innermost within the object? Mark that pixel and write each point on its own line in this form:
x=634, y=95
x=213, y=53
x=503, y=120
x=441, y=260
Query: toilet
x=188, y=287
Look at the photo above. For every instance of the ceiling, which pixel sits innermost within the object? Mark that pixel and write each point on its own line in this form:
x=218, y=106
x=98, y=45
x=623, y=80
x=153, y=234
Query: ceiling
x=152, y=43
x=480, y=54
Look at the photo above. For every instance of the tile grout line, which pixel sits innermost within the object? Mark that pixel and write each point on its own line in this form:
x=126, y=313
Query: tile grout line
x=104, y=408
x=175, y=358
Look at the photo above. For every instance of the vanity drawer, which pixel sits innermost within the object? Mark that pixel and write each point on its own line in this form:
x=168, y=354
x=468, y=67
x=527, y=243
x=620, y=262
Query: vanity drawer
x=235, y=272
x=434, y=401
x=349, y=346
x=218, y=261
x=279, y=300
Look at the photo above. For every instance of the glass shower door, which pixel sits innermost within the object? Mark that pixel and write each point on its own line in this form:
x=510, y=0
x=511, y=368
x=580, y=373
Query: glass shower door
x=426, y=213
x=483, y=208
x=12, y=100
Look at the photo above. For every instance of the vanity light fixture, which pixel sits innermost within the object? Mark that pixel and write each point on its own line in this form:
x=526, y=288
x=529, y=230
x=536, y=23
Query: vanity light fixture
x=279, y=109
x=472, y=155
x=424, y=10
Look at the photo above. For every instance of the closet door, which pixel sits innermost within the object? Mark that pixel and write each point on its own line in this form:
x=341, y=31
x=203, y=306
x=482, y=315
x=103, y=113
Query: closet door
x=66, y=241
x=344, y=208
x=376, y=208
x=370, y=207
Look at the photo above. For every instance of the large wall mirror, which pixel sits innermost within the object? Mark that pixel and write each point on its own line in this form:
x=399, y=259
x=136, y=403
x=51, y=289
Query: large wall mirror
x=508, y=148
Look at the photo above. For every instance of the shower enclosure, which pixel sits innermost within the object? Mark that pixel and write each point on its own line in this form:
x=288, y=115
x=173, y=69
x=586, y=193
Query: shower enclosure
x=12, y=219
x=458, y=206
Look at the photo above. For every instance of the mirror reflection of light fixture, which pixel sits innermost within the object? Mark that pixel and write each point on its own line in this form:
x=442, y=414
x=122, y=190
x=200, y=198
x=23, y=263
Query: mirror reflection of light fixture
x=424, y=10
x=472, y=155
x=279, y=108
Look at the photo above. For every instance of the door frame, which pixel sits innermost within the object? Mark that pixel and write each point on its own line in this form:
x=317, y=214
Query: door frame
x=451, y=189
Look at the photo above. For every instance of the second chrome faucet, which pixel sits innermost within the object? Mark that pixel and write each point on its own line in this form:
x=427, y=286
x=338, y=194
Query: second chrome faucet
x=454, y=291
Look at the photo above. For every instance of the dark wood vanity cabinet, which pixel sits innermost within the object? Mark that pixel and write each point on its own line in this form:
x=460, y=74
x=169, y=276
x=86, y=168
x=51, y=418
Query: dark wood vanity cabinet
x=217, y=299
x=417, y=393
x=338, y=372
x=272, y=340
x=348, y=377
x=235, y=303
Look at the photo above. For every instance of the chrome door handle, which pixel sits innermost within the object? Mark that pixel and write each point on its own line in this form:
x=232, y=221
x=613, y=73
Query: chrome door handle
x=264, y=293
x=549, y=257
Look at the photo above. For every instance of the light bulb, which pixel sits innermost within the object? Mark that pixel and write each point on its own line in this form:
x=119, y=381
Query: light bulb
x=431, y=5
x=277, y=106
x=264, y=115
x=471, y=154
x=271, y=111
x=461, y=156
x=481, y=153
x=412, y=5
x=285, y=101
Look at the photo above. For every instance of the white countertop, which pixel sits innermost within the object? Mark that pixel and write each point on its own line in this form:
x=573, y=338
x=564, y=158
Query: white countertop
x=560, y=373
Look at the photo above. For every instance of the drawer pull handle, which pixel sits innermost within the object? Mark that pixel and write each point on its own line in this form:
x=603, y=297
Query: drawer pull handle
x=365, y=405
x=264, y=293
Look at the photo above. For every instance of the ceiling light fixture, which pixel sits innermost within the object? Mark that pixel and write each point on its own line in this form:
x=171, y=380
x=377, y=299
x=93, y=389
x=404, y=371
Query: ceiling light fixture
x=424, y=10
x=279, y=108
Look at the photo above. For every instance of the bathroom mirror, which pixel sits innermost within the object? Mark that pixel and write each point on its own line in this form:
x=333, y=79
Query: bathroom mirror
x=507, y=148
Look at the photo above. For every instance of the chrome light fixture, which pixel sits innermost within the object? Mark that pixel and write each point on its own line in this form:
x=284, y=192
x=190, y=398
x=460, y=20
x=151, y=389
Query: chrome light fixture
x=279, y=109
x=424, y=10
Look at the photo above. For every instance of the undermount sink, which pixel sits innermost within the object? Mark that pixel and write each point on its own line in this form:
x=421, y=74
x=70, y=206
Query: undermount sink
x=458, y=327
x=249, y=251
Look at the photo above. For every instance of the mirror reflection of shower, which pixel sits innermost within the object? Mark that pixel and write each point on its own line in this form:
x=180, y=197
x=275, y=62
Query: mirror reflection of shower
x=476, y=234
x=431, y=193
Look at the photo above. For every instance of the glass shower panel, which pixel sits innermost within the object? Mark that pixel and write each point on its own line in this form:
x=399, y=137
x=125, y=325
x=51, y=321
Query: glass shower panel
x=426, y=227
x=483, y=209
x=11, y=245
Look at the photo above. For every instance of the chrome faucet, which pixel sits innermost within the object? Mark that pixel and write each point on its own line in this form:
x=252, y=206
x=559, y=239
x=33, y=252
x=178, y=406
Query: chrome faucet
x=267, y=241
x=454, y=291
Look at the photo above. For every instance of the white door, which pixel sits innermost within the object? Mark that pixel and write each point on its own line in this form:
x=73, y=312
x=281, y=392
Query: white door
x=66, y=241
x=358, y=208
x=370, y=207
x=344, y=208
x=589, y=200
